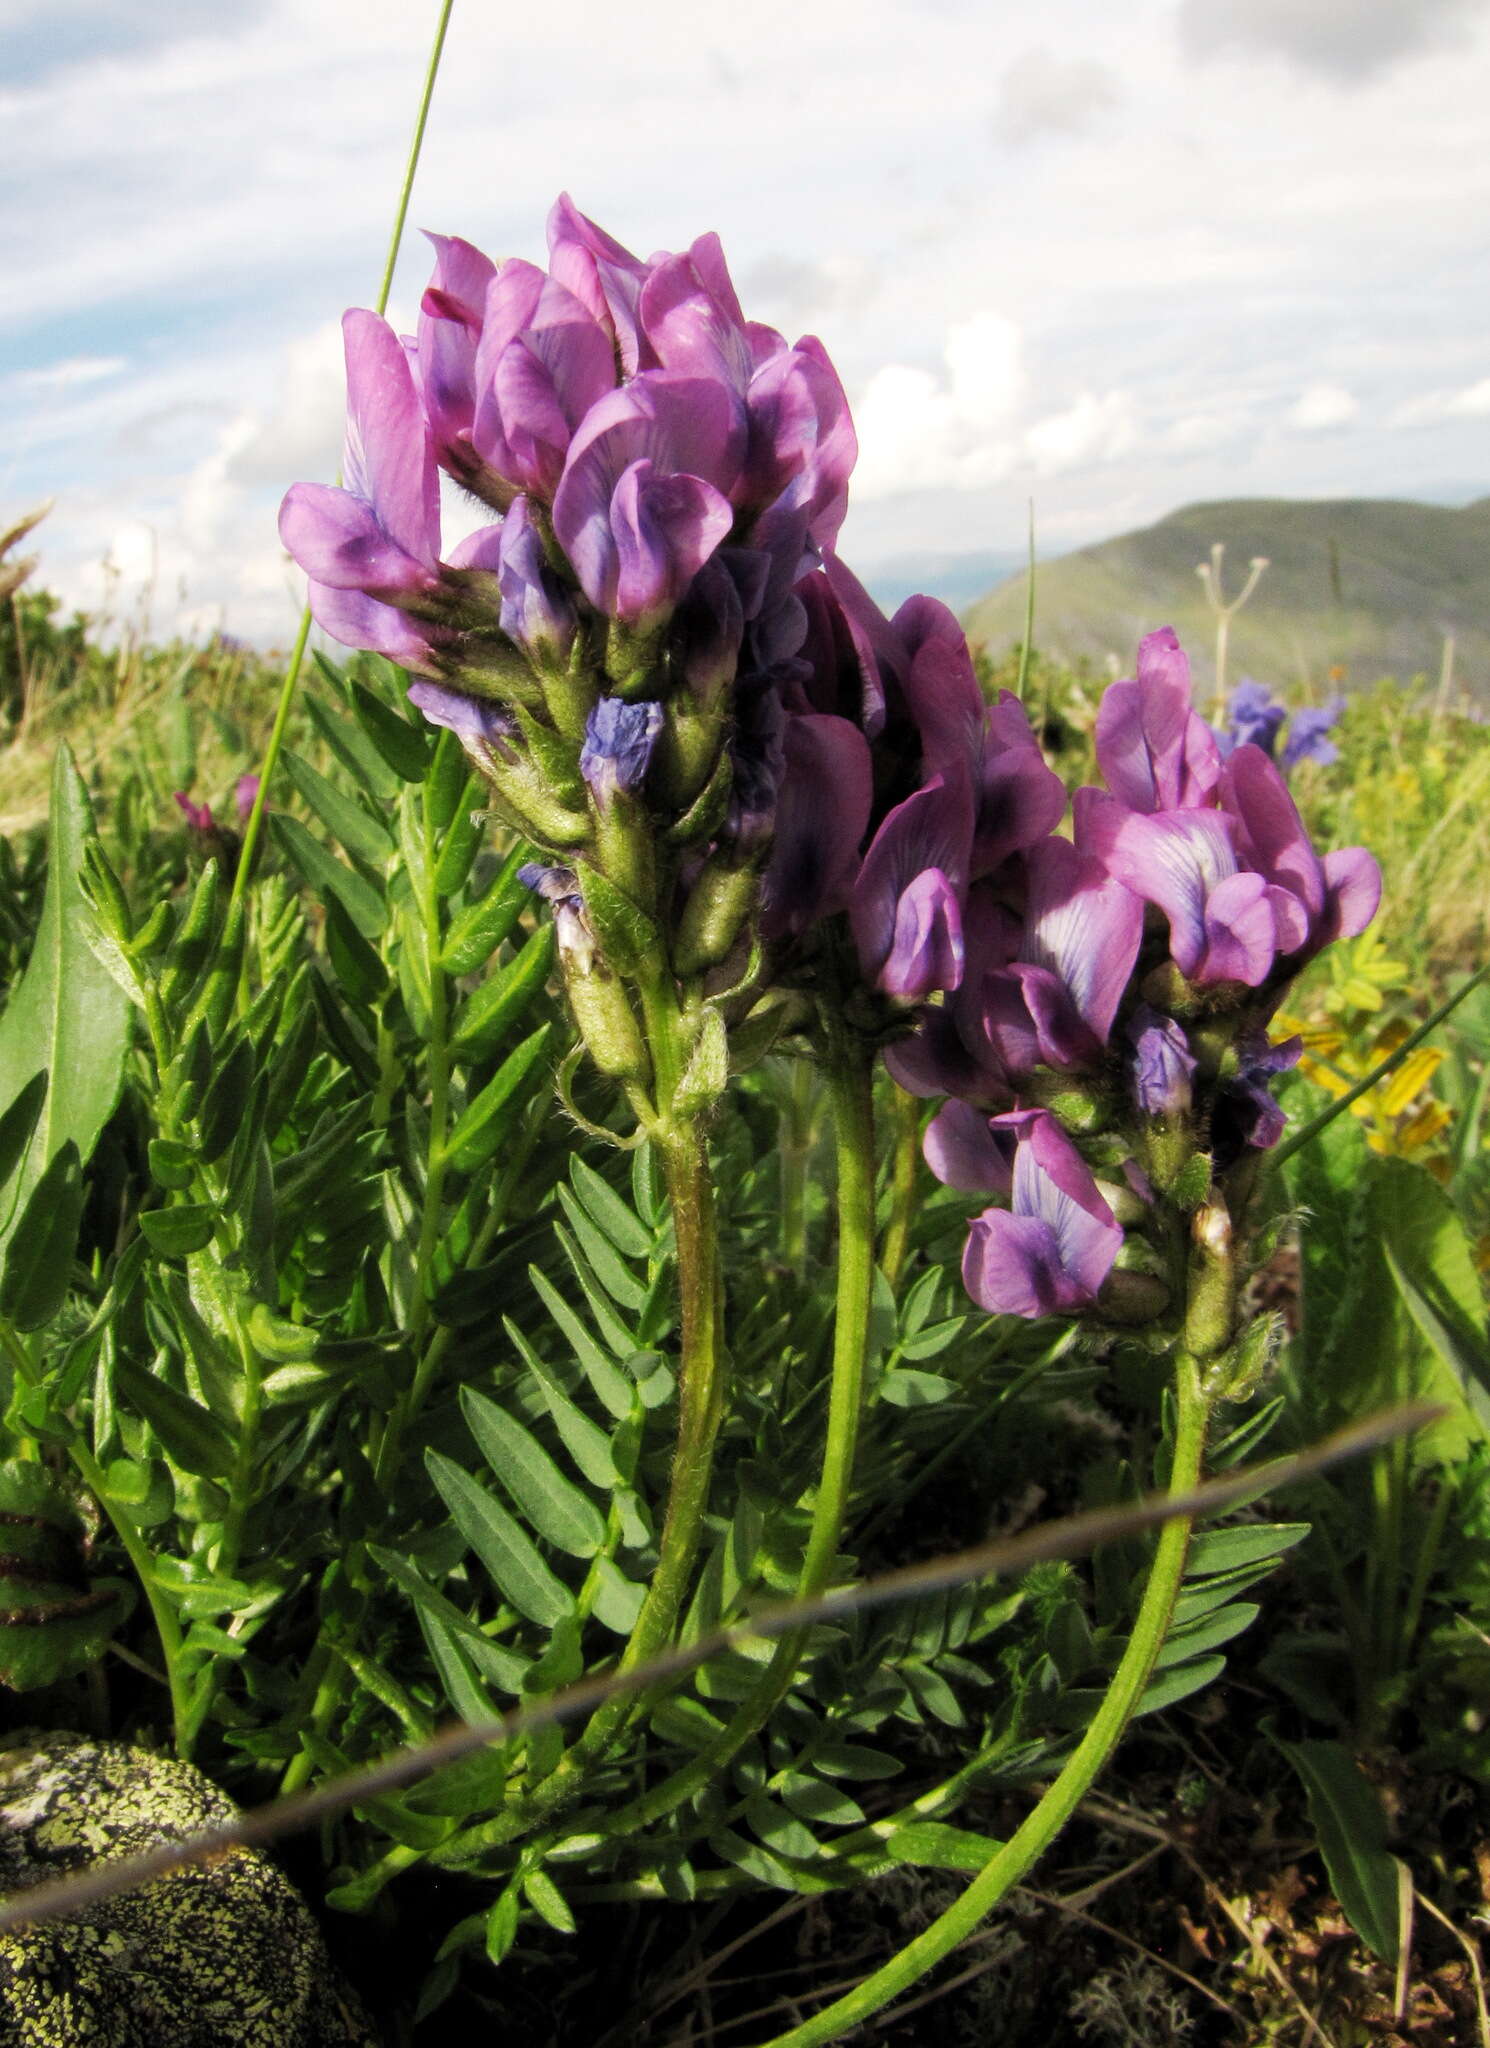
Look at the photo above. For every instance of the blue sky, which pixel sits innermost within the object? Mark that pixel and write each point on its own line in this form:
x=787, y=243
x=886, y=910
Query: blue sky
x=1112, y=257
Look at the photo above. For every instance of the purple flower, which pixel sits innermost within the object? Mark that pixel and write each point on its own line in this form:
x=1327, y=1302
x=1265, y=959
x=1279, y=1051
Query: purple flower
x=1051, y=1250
x=1053, y=1003
x=450, y=317
x=1163, y=1064
x=644, y=498
x=484, y=729
x=1307, y=732
x=199, y=818
x=1245, y=1112
x=536, y=609
x=543, y=362
x=822, y=814
x=604, y=277
x=970, y=1151
x=1156, y=754
x=1018, y=798
x=1255, y=718
x=245, y=796
x=1336, y=897
x=1226, y=923
x=906, y=909
x=619, y=742
x=379, y=536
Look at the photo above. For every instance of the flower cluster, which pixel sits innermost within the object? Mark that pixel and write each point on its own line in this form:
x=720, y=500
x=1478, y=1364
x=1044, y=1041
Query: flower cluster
x=1255, y=717
x=1113, y=1004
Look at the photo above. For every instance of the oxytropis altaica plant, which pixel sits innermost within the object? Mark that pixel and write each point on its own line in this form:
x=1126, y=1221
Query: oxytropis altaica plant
x=765, y=815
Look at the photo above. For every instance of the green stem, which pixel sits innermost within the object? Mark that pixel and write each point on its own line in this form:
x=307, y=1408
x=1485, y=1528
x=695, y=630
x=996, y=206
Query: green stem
x=905, y=1166
x=1006, y=1869
x=254, y=826
x=796, y=1145
x=850, y=1093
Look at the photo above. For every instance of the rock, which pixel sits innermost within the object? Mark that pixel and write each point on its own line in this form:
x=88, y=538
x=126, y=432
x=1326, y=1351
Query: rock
x=224, y=1955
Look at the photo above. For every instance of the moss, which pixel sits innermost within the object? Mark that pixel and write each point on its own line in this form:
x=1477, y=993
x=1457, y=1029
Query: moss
x=219, y=1956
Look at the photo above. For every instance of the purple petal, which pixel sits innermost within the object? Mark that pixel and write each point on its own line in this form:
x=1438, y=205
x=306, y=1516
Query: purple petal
x=802, y=440
x=965, y=1151
x=1053, y=1182
x=1307, y=734
x=930, y=832
x=536, y=610
x=544, y=361
x=926, y=941
x=388, y=461
x=1154, y=751
x=1240, y=933
x=1020, y=799
x=471, y=719
x=680, y=427
x=1353, y=892
x=822, y=813
x=664, y=529
x=689, y=327
x=619, y=742
x=337, y=540
x=1082, y=925
x=1173, y=859
x=1163, y=1064
x=605, y=277
x=449, y=330
x=936, y=1060
x=356, y=620
x=1271, y=835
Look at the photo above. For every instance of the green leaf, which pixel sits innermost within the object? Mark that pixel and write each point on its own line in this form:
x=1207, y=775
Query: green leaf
x=363, y=836
x=485, y=1123
x=1351, y=1831
x=184, y=1228
x=905, y=1388
x=503, y=1667
x=1172, y=1686
x=628, y=937
x=854, y=1760
x=1207, y=1633
x=552, y=1505
x=612, y=1386
x=505, y=1549
x=38, y=1258
x=19, y=1122
x=356, y=965
x=189, y=1434
x=351, y=747
x=544, y=1896
x=67, y=1016
x=609, y=1212
x=402, y=745
x=327, y=875
x=587, y=1445
x=619, y=1282
x=489, y=1012
x=1222, y=1550
x=477, y=931
x=933, y=1845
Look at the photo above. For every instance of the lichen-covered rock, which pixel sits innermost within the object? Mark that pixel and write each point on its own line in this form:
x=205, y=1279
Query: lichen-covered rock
x=216, y=1956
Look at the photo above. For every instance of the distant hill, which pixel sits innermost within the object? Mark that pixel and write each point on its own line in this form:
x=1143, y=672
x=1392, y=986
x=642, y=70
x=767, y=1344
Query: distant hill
x=1370, y=584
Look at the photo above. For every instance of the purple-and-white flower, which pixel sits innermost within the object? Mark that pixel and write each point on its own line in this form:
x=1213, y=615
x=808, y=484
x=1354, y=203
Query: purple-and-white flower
x=620, y=739
x=1163, y=1065
x=1050, y=1251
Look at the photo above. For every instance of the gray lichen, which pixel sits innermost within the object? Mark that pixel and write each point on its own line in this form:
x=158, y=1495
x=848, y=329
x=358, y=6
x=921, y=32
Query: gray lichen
x=223, y=1955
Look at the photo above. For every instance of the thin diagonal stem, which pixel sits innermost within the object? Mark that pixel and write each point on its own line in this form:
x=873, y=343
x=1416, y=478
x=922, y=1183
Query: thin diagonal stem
x=254, y=827
x=1008, y=1867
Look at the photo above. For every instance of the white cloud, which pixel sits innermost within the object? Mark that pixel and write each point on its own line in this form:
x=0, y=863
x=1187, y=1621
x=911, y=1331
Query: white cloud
x=1091, y=430
x=71, y=372
x=1322, y=408
x=1434, y=408
x=920, y=432
x=1041, y=93
x=1343, y=40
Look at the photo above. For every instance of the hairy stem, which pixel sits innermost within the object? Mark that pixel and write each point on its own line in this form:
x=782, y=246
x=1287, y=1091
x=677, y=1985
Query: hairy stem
x=849, y=1078
x=905, y=1166
x=1009, y=1866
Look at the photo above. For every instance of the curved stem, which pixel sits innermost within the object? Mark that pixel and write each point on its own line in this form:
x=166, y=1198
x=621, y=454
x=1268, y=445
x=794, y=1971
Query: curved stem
x=849, y=1087
x=1006, y=1869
